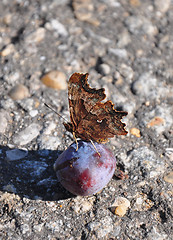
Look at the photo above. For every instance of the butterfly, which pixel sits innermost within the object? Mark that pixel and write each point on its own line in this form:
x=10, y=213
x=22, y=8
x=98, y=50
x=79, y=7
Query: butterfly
x=92, y=119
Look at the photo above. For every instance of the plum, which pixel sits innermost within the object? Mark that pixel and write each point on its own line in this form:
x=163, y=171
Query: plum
x=85, y=171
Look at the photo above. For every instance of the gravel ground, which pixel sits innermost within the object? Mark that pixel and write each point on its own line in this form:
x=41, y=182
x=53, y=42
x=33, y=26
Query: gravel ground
x=127, y=48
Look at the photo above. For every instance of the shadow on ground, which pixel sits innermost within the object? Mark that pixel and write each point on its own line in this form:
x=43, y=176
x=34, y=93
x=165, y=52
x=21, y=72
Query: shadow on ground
x=32, y=175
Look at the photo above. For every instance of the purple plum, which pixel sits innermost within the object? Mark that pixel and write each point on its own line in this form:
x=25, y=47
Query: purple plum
x=85, y=171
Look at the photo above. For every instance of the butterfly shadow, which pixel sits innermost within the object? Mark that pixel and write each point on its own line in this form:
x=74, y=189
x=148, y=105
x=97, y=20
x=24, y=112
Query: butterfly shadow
x=31, y=174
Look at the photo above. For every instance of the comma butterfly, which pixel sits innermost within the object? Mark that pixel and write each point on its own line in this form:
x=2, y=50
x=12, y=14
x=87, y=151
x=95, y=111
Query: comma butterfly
x=91, y=119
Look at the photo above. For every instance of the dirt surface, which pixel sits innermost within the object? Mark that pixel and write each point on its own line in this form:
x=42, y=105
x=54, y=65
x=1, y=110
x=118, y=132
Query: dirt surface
x=127, y=48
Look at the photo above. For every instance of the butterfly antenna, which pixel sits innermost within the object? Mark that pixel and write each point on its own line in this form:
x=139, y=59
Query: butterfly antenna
x=95, y=148
x=55, y=112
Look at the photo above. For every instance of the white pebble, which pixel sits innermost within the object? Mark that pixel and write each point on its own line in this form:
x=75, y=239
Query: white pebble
x=33, y=113
x=16, y=154
x=27, y=135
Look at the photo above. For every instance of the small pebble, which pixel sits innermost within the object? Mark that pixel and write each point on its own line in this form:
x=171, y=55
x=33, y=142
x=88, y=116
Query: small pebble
x=149, y=28
x=142, y=203
x=51, y=127
x=27, y=135
x=159, y=119
x=48, y=142
x=121, y=53
x=121, y=201
x=19, y=92
x=7, y=50
x=37, y=36
x=140, y=24
x=28, y=104
x=145, y=85
x=120, y=211
x=7, y=104
x=162, y=5
x=169, y=153
x=120, y=206
x=123, y=39
x=24, y=228
x=83, y=11
x=59, y=27
x=133, y=23
x=38, y=227
x=135, y=3
x=54, y=226
x=16, y=154
x=104, y=69
x=7, y=18
x=55, y=79
x=12, y=78
x=127, y=72
x=82, y=205
x=112, y=3
x=116, y=230
x=33, y=113
x=135, y=132
x=169, y=177
x=4, y=117
x=155, y=121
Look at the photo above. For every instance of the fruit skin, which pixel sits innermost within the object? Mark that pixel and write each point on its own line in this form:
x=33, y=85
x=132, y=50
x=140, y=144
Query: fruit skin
x=85, y=172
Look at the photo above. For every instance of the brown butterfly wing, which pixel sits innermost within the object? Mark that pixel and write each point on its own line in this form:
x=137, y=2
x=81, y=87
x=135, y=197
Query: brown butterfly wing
x=91, y=119
x=103, y=122
x=81, y=99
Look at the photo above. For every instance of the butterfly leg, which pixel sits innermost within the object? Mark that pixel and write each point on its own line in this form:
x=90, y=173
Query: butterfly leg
x=75, y=140
x=95, y=148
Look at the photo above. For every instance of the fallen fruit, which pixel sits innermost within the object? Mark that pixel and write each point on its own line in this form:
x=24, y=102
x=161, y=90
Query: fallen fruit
x=85, y=171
